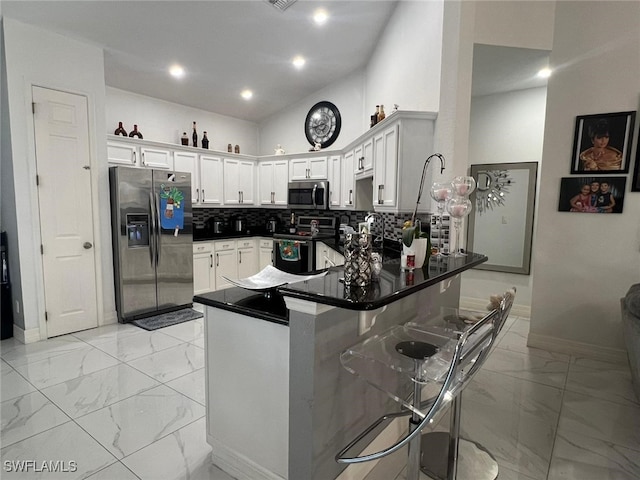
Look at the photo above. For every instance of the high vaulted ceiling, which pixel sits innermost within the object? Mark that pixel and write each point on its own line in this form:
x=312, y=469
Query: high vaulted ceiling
x=224, y=46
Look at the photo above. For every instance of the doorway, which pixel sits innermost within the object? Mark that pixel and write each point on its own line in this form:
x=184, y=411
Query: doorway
x=63, y=169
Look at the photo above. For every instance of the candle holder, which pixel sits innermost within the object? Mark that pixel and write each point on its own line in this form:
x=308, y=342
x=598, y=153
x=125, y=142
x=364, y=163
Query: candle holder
x=458, y=208
x=441, y=192
x=463, y=186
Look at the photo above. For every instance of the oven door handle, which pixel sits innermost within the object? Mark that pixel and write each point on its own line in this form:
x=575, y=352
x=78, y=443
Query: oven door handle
x=301, y=242
x=313, y=195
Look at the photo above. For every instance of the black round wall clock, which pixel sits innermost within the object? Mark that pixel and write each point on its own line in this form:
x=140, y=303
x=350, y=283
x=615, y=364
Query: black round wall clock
x=322, y=124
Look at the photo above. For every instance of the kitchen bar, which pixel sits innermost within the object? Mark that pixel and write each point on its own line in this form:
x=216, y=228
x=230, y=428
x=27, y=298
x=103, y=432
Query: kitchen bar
x=279, y=403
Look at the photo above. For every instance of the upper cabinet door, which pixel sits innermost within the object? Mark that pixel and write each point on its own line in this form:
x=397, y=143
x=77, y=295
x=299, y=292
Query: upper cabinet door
x=280, y=182
x=187, y=162
x=318, y=168
x=348, y=181
x=266, y=191
x=210, y=180
x=298, y=169
x=335, y=180
x=247, y=182
x=156, y=158
x=231, y=181
x=122, y=154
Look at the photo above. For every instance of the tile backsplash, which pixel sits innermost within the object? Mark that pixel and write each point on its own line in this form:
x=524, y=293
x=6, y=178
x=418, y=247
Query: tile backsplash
x=259, y=216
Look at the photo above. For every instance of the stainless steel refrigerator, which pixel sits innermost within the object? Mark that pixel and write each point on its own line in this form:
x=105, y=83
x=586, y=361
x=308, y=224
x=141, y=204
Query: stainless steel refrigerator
x=151, y=221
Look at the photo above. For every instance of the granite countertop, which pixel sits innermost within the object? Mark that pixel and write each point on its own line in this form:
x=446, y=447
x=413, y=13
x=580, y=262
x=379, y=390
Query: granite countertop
x=391, y=285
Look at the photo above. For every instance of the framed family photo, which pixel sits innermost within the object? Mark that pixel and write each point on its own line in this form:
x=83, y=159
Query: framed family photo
x=635, y=180
x=602, y=143
x=592, y=194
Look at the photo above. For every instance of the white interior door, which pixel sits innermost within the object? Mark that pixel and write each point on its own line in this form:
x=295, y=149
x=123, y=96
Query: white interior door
x=66, y=218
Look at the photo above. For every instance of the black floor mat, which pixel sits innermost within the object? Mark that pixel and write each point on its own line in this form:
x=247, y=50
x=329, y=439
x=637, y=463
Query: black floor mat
x=167, y=319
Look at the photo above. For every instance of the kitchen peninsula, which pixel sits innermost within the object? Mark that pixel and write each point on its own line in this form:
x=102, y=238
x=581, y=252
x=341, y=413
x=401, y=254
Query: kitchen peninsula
x=279, y=403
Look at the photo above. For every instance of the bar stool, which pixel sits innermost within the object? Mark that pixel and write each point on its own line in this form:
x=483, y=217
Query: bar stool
x=425, y=367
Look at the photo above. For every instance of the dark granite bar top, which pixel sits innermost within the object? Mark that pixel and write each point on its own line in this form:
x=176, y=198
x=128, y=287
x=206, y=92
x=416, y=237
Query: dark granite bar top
x=392, y=284
x=199, y=236
x=265, y=305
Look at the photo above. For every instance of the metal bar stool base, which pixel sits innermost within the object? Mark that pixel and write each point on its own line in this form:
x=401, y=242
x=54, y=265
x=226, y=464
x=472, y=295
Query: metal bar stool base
x=474, y=462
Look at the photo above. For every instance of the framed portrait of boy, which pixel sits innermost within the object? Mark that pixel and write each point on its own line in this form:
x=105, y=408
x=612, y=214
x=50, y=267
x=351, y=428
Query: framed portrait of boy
x=602, y=143
x=592, y=194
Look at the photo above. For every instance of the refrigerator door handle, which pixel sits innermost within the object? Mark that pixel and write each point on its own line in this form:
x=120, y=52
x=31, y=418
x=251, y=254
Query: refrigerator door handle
x=158, y=230
x=152, y=243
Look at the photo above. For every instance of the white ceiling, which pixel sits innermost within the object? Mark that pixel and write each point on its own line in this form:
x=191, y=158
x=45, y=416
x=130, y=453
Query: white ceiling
x=227, y=46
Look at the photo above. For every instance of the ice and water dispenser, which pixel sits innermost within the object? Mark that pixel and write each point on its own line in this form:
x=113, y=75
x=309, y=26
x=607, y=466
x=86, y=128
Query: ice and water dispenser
x=137, y=230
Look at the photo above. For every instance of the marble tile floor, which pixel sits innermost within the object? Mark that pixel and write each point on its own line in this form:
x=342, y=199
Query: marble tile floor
x=545, y=416
x=111, y=403
x=124, y=403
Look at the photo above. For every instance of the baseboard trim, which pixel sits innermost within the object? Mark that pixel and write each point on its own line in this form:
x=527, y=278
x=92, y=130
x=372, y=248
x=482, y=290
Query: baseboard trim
x=26, y=336
x=110, y=318
x=480, y=304
x=577, y=349
x=236, y=464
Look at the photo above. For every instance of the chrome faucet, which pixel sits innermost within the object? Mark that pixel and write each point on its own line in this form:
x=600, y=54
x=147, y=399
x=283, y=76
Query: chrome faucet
x=378, y=240
x=424, y=171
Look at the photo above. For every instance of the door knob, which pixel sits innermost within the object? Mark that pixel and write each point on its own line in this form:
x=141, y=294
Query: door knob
x=87, y=245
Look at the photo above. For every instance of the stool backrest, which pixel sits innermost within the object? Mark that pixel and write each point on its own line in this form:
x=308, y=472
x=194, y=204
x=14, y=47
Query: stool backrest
x=471, y=351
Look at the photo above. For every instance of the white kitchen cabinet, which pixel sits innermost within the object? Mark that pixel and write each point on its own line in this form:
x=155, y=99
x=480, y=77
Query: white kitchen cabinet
x=204, y=278
x=188, y=162
x=239, y=182
x=348, y=180
x=210, y=180
x=386, y=167
x=273, y=179
x=363, y=158
x=265, y=254
x=312, y=168
x=120, y=153
x=247, y=258
x=154, y=157
x=335, y=180
x=225, y=262
x=327, y=257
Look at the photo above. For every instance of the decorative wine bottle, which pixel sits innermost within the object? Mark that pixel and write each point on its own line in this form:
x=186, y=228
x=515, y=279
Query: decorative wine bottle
x=205, y=140
x=237, y=149
x=230, y=148
x=381, y=115
x=184, y=140
x=120, y=130
x=135, y=132
x=194, y=135
x=374, y=118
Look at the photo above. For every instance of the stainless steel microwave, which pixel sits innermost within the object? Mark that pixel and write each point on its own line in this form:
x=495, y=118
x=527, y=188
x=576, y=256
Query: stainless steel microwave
x=308, y=195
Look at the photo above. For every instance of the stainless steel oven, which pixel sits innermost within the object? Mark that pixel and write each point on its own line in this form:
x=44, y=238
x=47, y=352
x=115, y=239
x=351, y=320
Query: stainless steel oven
x=308, y=195
x=304, y=261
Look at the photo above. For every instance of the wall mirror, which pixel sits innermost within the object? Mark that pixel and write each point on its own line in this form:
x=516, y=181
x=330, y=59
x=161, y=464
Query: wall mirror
x=501, y=221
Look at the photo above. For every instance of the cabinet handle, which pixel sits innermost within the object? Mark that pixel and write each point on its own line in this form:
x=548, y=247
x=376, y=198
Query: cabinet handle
x=361, y=163
x=241, y=197
x=272, y=256
x=203, y=194
x=380, y=189
x=239, y=192
x=217, y=260
x=143, y=161
x=134, y=158
x=211, y=260
x=350, y=197
x=197, y=195
x=240, y=254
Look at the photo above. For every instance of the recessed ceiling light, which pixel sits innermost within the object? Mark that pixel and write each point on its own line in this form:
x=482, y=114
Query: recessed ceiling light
x=298, y=61
x=246, y=94
x=176, y=71
x=320, y=17
x=544, y=73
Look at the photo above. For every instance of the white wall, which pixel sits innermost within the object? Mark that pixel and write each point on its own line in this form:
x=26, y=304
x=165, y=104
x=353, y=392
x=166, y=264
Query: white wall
x=287, y=127
x=405, y=67
x=505, y=128
x=585, y=263
x=37, y=57
x=163, y=121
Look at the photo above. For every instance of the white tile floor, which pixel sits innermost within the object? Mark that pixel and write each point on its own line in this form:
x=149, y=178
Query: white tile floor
x=547, y=416
x=124, y=403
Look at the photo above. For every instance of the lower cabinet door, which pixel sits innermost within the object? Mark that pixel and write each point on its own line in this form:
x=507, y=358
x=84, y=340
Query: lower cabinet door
x=226, y=265
x=203, y=277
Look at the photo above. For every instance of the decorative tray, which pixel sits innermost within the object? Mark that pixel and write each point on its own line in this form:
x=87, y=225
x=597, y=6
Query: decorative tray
x=269, y=278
